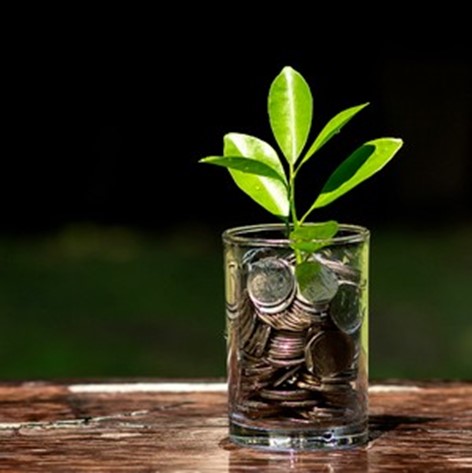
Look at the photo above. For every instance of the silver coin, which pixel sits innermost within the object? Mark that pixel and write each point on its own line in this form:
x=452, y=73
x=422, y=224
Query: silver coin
x=280, y=363
x=274, y=320
x=296, y=321
x=246, y=323
x=329, y=353
x=346, y=309
x=261, y=371
x=321, y=289
x=343, y=270
x=258, y=341
x=232, y=287
x=255, y=254
x=308, y=381
x=241, y=304
x=271, y=284
x=345, y=377
x=285, y=394
x=285, y=345
x=325, y=413
x=256, y=409
x=310, y=403
x=291, y=319
x=340, y=397
x=317, y=312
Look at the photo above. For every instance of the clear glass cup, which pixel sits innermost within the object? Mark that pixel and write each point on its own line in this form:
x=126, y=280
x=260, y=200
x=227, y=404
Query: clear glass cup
x=297, y=339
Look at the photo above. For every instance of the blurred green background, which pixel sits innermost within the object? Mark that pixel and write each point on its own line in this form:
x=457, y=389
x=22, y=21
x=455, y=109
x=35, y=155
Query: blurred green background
x=98, y=301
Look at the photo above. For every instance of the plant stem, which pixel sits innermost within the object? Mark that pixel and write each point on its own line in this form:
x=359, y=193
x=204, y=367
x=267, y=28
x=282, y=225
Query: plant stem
x=293, y=211
x=304, y=218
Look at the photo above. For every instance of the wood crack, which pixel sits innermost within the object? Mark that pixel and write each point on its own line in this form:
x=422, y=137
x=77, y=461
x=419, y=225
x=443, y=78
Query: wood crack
x=87, y=420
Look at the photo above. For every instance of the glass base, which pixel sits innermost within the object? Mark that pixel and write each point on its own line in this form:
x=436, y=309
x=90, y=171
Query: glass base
x=307, y=439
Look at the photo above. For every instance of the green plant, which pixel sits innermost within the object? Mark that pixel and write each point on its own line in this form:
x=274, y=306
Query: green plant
x=257, y=169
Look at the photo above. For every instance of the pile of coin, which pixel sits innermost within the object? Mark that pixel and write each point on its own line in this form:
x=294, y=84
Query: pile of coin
x=295, y=355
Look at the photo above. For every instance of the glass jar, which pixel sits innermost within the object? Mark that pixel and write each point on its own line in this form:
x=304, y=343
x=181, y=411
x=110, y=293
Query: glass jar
x=297, y=339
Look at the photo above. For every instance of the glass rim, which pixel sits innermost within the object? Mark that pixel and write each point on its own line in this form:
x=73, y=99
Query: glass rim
x=245, y=235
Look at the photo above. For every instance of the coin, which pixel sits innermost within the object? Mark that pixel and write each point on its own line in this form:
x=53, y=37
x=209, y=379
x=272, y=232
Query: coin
x=345, y=377
x=341, y=269
x=325, y=413
x=246, y=321
x=261, y=372
x=296, y=350
x=329, y=353
x=279, y=363
x=285, y=394
x=255, y=254
x=274, y=320
x=232, y=287
x=321, y=288
x=339, y=397
x=300, y=404
x=317, y=312
x=241, y=305
x=286, y=345
x=271, y=284
x=291, y=319
x=345, y=309
x=296, y=321
x=309, y=381
x=258, y=341
x=256, y=409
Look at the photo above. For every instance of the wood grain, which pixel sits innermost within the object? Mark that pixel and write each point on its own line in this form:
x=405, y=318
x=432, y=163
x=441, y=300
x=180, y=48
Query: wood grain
x=66, y=427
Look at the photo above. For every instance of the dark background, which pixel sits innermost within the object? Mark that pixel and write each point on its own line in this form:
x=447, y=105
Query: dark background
x=109, y=128
x=110, y=258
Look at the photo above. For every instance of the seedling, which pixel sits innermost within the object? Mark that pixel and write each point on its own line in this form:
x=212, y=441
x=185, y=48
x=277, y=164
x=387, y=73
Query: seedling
x=257, y=169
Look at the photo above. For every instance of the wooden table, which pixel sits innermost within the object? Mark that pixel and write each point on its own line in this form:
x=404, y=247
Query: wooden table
x=173, y=426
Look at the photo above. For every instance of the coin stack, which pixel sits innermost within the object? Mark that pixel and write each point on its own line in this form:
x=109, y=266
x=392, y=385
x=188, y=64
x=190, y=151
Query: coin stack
x=299, y=352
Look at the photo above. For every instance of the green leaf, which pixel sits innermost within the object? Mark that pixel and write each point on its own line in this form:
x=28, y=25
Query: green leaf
x=290, y=107
x=311, y=237
x=332, y=128
x=269, y=192
x=315, y=231
x=246, y=165
x=359, y=166
x=241, y=145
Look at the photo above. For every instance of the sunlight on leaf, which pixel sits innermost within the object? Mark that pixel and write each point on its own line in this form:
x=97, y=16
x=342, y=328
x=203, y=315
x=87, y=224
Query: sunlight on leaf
x=332, y=128
x=290, y=107
x=246, y=165
x=269, y=192
x=254, y=148
x=359, y=166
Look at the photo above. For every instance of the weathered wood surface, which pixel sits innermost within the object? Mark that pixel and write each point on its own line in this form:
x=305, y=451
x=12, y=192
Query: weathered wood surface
x=157, y=427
